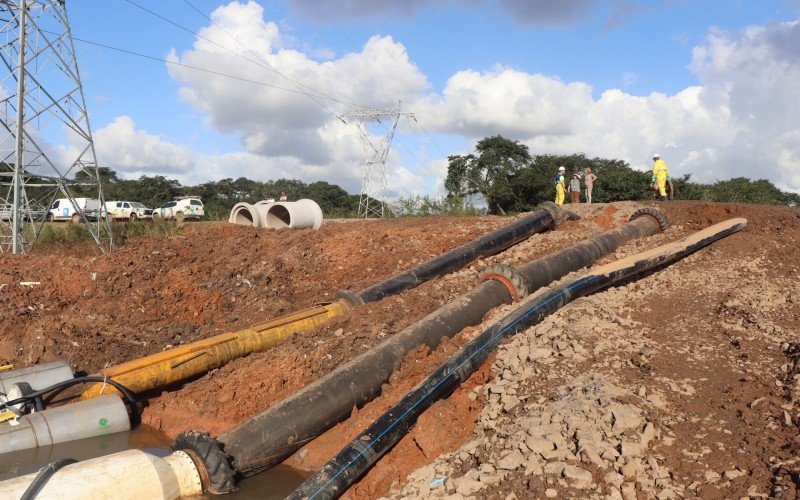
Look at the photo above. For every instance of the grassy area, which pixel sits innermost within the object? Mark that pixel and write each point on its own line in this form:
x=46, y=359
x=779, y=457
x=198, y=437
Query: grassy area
x=66, y=236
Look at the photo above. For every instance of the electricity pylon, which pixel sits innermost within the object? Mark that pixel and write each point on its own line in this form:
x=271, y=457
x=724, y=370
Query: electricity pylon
x=46, y=146
x=374, y=188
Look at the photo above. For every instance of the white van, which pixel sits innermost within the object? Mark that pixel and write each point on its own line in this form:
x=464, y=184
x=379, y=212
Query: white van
x=186, y=207
x=62, y=209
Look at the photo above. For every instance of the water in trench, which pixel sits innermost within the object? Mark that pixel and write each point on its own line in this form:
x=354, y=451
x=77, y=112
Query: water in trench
x=275, y=483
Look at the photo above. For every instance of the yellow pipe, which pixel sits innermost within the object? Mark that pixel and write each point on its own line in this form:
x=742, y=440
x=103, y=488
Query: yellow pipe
x=190, y=360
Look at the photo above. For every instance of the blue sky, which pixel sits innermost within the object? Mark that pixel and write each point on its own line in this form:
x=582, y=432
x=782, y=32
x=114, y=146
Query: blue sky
x=571, y=69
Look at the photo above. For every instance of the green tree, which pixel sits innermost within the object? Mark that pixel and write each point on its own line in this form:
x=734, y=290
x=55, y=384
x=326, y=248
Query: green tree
x=744, y=190
x=685, y=189
x=616, y=181
x=490, y=172
x=107, y=176
x=331, y=198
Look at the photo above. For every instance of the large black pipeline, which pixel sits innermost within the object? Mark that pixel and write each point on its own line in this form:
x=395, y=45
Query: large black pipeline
x=355, y=459
x=549, y=215
x=271, y=436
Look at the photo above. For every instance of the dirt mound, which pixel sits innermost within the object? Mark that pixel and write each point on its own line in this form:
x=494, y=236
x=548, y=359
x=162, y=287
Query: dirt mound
x=157, y=292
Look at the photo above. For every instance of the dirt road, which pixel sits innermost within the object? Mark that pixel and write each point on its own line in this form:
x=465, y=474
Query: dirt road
x=683, y=383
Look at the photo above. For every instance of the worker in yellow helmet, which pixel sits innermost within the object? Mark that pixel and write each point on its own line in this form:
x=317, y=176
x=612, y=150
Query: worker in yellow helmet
x=660, y=176
x=561, y=186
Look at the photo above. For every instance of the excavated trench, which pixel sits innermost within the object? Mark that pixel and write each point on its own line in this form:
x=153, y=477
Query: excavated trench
x=274, y=484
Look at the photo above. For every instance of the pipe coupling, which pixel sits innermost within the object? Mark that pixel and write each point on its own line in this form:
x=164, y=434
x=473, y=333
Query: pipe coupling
x=353, y=299
x=212, y=463
x=513, y=280
x=559, y=214
x=657, y=214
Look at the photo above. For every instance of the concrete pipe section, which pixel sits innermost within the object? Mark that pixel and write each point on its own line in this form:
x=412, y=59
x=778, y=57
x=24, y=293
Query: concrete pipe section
x=132, y=474
x=245, y=214
x=301, y=214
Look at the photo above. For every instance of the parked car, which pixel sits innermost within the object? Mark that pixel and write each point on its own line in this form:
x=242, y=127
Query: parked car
x=6, y=212
x=187, y=207
x=62, y=210
x=128, y=210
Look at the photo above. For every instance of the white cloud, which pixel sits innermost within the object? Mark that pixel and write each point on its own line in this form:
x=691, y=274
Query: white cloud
x=284, y=124
x=628, y=78
x=739, y=119
x=504, y=101
x=133, y=152
x=126, y=149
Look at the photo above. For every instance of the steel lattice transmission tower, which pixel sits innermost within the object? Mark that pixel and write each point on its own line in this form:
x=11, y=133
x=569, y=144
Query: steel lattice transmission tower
x=374, y=188
x=42, y=104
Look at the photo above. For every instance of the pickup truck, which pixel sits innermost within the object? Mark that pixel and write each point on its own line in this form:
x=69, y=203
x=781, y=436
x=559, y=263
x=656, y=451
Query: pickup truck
x=189, y=207
x=128, y=210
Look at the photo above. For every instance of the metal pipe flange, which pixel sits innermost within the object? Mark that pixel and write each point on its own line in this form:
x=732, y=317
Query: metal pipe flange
x=516, y=284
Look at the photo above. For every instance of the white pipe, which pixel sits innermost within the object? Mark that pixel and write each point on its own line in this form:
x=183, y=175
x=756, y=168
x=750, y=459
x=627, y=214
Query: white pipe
x=245, y=214
x=299, y=214
x=131, y=474
x=38, y=376
x=94, y=417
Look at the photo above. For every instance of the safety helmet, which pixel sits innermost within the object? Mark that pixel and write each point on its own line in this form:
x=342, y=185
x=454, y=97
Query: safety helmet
x=656, y=156
x=562, y=169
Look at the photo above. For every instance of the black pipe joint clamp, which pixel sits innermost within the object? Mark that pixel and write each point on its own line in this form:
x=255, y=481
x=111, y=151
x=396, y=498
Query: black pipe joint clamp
x=515, y=282
x=655, y=213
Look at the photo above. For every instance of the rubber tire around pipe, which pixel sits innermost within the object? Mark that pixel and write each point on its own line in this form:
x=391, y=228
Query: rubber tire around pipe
x=221, y=476
x=652, y=212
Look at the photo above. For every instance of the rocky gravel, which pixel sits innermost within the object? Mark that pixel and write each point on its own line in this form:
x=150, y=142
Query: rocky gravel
x=682, y=384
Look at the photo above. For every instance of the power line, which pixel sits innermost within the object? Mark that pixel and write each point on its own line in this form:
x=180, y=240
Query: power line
x=299, y=87
x=187, y=66
x=273, y=68
x=324, y=7
x=257, y=63
x=296, y=83
x=429, y=137
x=226, y=75
x=344, y=33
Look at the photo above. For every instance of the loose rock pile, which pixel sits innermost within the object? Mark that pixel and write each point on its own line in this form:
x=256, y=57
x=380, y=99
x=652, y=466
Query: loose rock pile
x=589, y=436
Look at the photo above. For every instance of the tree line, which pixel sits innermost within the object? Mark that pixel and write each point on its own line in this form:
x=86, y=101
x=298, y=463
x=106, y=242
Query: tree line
x=502, y=174
x=220, y=196
x=509, y=178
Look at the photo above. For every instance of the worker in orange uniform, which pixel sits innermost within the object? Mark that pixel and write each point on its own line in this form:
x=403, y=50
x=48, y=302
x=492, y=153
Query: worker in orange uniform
x=561, y=186
x=660, y=176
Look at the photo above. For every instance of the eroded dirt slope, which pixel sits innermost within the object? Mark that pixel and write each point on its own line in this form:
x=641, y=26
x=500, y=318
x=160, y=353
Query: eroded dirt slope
x=155, y=292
